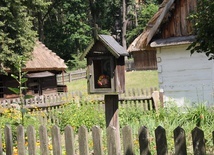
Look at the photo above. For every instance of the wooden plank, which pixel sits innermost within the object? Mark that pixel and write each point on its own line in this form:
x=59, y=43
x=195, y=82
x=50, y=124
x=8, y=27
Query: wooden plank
x=177, y=19
x=183, y=14
x=8, y=140
x=97, y=141
x=198, y=141
x=161, y=141
x=128, y=146
x=31, y=138
x=69, y=140
x=20, y=140
x=159, y=20
x=56, y=140
x=156, y=100
x=43, y=137
x=112, y=115
x=1, y=146
x=166, y=30
x=171, y=27
x=111, y=141
x=213, y=137
x=193, y=6
x=144, y=141
x=83, y=141
x=189, y=11
x=180, y=141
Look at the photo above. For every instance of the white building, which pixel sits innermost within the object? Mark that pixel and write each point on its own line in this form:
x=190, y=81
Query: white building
x=183, y=77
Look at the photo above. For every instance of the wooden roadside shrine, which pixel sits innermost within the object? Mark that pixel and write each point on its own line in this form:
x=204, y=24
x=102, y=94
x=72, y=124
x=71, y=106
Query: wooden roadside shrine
x=106, y=75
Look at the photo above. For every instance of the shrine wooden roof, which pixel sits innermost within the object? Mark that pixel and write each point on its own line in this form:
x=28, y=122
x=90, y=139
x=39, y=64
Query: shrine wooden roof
x=109, y=43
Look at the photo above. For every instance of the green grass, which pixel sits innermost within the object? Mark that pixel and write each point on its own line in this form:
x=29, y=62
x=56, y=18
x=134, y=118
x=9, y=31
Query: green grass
x=77, y=85
x=134, y=79
x=141, y=79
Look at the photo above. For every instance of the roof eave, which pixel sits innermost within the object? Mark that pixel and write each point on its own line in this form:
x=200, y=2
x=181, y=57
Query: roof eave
x=113, y=52
x=111, y=49
x=173, y=41
x=91, y=44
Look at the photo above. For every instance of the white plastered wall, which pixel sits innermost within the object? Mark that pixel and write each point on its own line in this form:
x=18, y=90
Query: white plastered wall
x=184, y=78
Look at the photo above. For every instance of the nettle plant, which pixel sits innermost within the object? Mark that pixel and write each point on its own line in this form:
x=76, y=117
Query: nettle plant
x=20, y=90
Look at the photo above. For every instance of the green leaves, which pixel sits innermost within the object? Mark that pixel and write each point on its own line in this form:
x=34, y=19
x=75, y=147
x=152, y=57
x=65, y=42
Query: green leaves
x=23, y=80
x=28, y=96
x=203, y=29
x=18, y=75
x=14, y=90
x=16, y=34
x=144, y=14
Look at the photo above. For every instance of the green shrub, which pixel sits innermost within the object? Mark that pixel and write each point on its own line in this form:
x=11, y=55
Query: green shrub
x=76, y=116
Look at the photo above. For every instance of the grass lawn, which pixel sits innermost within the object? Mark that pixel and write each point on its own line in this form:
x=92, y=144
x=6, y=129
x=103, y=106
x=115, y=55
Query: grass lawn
x=134, y=79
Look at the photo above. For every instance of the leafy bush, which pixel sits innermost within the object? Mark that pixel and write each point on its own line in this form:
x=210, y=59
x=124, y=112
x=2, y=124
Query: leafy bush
x=90, y=113
x=169, y=118
x=76, y=116
x=75, y=63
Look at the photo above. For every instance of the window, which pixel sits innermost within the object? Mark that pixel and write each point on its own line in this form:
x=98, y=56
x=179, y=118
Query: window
x=101, y=71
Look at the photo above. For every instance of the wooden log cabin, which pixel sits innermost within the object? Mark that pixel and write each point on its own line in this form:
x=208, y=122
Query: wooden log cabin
x=41, y=70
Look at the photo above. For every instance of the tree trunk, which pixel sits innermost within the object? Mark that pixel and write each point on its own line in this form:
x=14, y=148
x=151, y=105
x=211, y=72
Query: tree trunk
x=135, y=15
x=124, y=24
x=40, y=27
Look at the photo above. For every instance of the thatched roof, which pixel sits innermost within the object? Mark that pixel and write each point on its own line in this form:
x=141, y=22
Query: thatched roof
x=44, y=59
x=172, y=16
x=144, y=38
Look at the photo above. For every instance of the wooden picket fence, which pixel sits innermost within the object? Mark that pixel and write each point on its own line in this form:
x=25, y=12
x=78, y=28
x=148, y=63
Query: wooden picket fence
x=94, y=143
x=71, y=76
x=147, y=98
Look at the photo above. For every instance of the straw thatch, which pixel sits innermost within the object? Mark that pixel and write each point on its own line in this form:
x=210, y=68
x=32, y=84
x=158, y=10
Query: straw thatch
x=44, y=59
x=141, y=42
x=169, y=21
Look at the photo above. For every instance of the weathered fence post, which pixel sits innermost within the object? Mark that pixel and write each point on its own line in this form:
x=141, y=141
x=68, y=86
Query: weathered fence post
x=97, y=141
x=70, y=77
x=144, y=141
x=112, y=116
x=161, y=97
x=69, y=140
x=213, y=137
x=83, y=141
x=156, y=99
x=20, y=140
x=8, y=140
x=43, y=137
x=180, y=141
x=198, y=141
x=56, y=140
x=31, y=138
x=161, y=142
x=111, y=141
x=128, y=147
x=1, y=147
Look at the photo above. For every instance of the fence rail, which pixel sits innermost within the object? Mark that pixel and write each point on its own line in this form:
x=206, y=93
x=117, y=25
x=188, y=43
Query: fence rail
x=79, y=144
x=71, y=76
x=148, y=98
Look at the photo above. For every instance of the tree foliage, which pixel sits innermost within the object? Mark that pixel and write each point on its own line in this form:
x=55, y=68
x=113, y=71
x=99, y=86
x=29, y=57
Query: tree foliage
x=64, y=26
x=66, y=29
x=145, y=12
x=16, y=34
x=204, y=29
